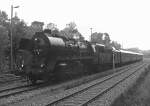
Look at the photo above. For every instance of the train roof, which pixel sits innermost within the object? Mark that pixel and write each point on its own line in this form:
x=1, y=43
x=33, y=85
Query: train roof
x=130, y=52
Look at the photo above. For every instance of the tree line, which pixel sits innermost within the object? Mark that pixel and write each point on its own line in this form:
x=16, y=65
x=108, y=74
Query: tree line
x=21, y=30
x=104, y=38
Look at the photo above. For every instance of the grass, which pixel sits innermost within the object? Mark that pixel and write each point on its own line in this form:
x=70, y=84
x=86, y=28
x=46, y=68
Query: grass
x=138, y=94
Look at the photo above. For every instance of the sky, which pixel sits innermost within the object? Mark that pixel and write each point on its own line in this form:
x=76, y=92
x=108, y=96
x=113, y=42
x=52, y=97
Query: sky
x=126, y=21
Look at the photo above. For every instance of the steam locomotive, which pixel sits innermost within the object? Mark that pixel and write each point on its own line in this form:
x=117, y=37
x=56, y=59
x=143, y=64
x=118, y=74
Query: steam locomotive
x=39, y=57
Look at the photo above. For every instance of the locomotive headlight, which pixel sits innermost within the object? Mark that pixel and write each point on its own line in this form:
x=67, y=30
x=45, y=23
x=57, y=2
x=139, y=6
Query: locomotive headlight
x=35, y=39
x=22, y=65
x=42, y=65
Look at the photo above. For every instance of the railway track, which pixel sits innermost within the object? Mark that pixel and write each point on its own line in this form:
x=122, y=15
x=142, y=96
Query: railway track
x=89, y=93
x=9, y=78
x=4, y=93
x=84, y=94
x=14, y=90
x=10, y=82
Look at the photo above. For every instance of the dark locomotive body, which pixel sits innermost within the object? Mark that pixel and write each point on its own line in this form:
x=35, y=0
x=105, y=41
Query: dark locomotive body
x=39, y=57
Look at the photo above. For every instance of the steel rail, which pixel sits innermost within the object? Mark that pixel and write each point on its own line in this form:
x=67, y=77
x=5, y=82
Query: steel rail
x=82, y=90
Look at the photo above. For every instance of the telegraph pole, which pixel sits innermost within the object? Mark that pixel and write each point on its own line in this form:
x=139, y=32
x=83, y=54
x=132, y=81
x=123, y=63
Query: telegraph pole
x=11, y=44
x=11, y=38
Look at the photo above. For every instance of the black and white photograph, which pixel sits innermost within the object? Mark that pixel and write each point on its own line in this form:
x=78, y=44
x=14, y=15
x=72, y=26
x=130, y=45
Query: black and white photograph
x=74, y=53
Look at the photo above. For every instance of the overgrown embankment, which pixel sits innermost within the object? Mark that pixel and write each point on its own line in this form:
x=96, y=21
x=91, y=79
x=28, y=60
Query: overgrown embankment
x=138, y=94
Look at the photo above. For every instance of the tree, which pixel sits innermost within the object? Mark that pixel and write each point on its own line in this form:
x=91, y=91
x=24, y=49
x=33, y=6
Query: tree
x=37, y=26
x=106, y=40
x=29, y=32
x=103, y=38
x=19, y=31
x=4, y=44
x=71, y=26
x=71, y=32
x=52, y=26
x=97, y=38
x=116, y=45
x=4, y=19
x=4, y=40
